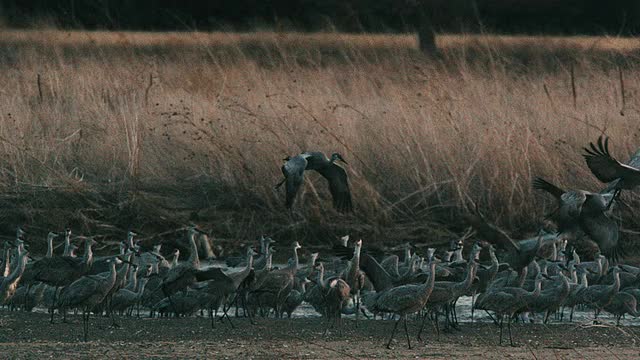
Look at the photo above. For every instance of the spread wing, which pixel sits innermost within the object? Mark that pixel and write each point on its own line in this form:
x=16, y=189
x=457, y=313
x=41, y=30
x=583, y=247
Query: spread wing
x=604, y=166
x=377, y=274
x=571, y=204
x=542, y=184
x=293, y=171
x=604, y=232
x=490, y=232
x=338, y=186
x=214, y=274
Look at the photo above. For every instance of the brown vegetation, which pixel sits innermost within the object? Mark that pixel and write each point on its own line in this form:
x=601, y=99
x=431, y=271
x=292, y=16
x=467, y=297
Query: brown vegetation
x=102, y=131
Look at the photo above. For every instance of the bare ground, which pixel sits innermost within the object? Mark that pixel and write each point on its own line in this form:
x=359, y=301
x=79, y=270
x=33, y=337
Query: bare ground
x=29, y=335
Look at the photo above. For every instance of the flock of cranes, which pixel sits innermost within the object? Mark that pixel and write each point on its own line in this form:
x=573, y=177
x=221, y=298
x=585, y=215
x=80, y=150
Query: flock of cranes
x=519, y=280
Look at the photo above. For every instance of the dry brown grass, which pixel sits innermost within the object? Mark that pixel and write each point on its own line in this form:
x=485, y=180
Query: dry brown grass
x=154, y=130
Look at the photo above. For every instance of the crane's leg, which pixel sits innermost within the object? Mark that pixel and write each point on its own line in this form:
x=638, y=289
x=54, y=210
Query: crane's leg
x=53, y=304
x=395, y=327
x=406, y=331
x=424, y=319
x=357, y=298
x=501, y=321
x=226, y=309
x=510, y=338
x=85, y=316
x=213, y=314
x=473, y=304
x=571, y=314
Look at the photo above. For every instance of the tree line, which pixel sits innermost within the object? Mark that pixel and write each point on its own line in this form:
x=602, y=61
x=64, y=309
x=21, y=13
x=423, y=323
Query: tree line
x=498, y=16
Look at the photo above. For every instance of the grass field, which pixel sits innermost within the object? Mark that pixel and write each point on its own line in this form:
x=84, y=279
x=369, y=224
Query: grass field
x=102, y=131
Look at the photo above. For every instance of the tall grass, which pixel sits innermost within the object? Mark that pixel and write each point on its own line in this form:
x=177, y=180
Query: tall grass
x=155, y=130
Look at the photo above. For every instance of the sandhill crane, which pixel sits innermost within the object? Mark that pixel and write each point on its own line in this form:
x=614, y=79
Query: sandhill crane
x=622, y=303
x=185, y=274
x=102, y=264
x=551, y=298
x=294, y=168
x=50, y=237
x=87, y=292
x=184, y=303
x=295, y=298
x=354, y=277
x=223, y=286
x=508, y=301
x=445, y=293
x=609, y=170
x=599, y=296
x=336, y=293
x=581, y=283
x=485, y=277
x=60, y=271
x=67, y=242
x=404, y=300
x=328, y=296
x=152, y=293
x=9, y=283
x=519, y=253
x=124, y=299
x=584, y=210
x=279, y=282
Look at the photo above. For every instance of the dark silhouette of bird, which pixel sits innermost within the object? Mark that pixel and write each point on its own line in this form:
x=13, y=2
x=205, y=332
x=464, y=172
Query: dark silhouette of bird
x=607, y=169
x=294, y=168
x=519, y=253
x=582, y=211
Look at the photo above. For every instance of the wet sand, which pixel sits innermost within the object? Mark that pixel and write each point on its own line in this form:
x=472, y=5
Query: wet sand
x=29, y=335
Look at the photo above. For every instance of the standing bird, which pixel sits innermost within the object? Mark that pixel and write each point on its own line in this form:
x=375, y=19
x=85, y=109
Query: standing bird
x=508, y=301
x=60, y=271
x=9, y=283
x=87, y=292
x=609, y=170
x=404, y=300
x=294, y=168
x=585, y=211
x=599, y=296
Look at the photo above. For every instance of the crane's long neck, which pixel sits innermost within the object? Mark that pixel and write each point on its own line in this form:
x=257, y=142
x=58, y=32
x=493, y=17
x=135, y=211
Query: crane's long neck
x=583, y=279
x=49, y=247
x=18, y=270
x=470, y=274
x=295, y=257
x=67, y=244
x=133, y=280
x=269, y=262
x=523, y=276
x=249, y=262
x=554, y=254
x=312, y=261
x=616, y=282
x=193, y=257
x=355, y=261
x=263, y=247
x=430, y=282
x=321, y=277
x=457, y=255
x=537, y=288
x=113, y=274
x=143, y=283
x=494, y=259
x=88, y=253
x=574, y=276
x=7, y=262
x=407, y=256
